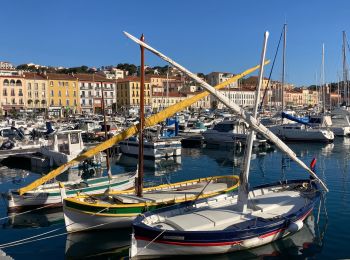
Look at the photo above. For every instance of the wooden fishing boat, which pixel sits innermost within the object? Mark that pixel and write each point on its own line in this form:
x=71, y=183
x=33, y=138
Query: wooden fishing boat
x=229, y=222
x=216, y=225
x=49, y=194
x=118, y=209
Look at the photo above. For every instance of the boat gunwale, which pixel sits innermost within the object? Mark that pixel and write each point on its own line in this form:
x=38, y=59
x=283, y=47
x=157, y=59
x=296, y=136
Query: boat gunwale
x=73, y=200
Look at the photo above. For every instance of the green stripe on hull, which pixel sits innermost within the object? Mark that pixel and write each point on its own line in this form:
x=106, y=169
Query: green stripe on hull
x=115, y=211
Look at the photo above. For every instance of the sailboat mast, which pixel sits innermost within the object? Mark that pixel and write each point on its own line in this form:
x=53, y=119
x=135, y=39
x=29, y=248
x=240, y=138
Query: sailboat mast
x=283, y=65
x=345, y=73
x=142, y=120
x=243, y=177
x=105, y=127
x=323, y=83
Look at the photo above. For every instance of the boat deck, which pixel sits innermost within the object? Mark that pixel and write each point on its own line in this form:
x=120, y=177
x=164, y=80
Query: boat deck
x=175, y=193
x=260, y=209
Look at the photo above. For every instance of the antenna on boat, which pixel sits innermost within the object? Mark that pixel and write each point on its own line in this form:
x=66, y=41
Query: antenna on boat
x=139, y=187
x=243, y=177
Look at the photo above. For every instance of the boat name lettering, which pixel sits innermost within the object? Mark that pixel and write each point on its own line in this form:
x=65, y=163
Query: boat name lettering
x=174, y=237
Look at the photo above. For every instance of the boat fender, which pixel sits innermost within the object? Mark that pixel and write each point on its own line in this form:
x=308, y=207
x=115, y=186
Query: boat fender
x=295, y=226
x=249, y=243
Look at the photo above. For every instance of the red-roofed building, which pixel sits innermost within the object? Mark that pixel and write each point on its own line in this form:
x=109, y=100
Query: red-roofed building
x=91, y=92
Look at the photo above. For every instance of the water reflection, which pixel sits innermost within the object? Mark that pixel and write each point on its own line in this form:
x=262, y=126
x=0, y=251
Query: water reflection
x=157, y=167
x=233, y=157
x=34, y=219
x=98, y=245
x=15, y=176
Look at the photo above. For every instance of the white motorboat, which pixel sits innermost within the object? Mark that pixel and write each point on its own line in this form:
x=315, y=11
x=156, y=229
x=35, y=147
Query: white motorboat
x=64, y=146
x=301, y=132
x=153, y=149
x=340, y=122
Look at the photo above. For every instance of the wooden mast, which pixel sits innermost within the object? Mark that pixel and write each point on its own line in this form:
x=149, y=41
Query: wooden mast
x=106, y=135
x=142, y=120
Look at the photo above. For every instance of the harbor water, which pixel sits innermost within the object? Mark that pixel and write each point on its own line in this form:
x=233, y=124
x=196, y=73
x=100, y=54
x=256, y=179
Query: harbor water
x=41, y=234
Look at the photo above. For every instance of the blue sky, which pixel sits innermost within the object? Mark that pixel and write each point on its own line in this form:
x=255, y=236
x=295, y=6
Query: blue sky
x=203, y=36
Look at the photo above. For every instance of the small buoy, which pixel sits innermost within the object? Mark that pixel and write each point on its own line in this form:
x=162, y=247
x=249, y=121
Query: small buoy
x=295, y=226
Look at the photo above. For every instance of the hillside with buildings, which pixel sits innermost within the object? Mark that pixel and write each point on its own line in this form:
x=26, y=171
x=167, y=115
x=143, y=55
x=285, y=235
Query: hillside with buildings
x=62, y=91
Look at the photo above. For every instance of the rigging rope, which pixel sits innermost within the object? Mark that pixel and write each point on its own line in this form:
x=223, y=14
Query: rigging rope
x=273, y=64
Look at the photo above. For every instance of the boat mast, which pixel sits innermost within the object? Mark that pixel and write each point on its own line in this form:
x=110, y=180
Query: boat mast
x=243, y=177
x=283, y=65
x=323, y=83
x=139, y=187
x=106, y=135
x=345, y=72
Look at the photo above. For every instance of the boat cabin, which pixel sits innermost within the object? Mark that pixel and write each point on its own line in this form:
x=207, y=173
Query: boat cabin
x=235, y=126
x=68, y=142
x=320, y=121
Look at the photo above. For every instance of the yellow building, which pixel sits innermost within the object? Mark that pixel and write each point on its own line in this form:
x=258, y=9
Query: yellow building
x=63, y=93
x=161, y=101
x=12, y=93
x=128, y=92
x=36, y=92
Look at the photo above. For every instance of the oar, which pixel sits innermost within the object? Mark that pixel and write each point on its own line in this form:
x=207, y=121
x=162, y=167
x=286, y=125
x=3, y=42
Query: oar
x=253, y=123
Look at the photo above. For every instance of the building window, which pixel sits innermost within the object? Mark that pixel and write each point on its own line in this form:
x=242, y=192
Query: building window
x=4, y=92
x=18, y=83
x=59, y=93
x=60, y=102
x=12, y=92
x=51, y=83
x=67, y=94
x=6, y=82
x=36, y=86
x=67, y=102
x=75, y=102
x=51, y=93
x=20, y=93
x=74, y=93
x=51, y=102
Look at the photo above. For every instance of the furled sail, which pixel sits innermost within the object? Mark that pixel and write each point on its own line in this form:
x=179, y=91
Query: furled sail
x=150, y=121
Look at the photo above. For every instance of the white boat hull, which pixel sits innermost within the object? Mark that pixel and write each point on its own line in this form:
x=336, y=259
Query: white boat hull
x=313, y=135
x=53, y=197
x=152, y=150
x=80, y=221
